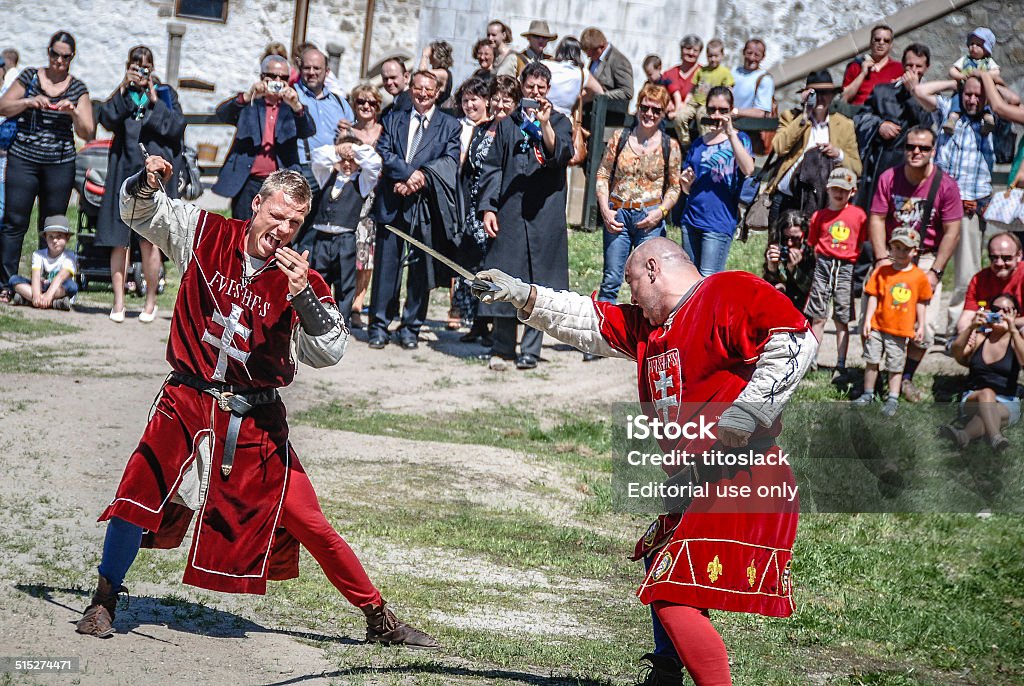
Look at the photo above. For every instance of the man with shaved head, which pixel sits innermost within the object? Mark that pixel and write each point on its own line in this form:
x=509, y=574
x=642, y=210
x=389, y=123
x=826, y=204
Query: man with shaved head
x=727, y=347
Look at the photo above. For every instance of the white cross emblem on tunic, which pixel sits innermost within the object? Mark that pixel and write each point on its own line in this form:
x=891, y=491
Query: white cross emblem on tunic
x=224, y=343
x=662, y=404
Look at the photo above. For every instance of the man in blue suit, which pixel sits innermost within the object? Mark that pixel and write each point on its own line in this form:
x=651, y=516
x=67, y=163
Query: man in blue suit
x=410, y=140
x=269, y=121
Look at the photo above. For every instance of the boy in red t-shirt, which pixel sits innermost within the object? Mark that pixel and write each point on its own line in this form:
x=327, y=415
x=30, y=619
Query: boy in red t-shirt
x=896, y=313
x=836, y=234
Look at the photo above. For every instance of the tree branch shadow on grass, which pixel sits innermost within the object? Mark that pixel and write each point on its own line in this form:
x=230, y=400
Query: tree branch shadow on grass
x=189, y=617
x=176, y=614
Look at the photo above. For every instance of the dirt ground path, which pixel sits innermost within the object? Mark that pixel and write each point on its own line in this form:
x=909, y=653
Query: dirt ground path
x=91, y=405
x=54, y=489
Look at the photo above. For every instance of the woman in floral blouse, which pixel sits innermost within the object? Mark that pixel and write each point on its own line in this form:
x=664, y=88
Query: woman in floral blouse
x=637, y=185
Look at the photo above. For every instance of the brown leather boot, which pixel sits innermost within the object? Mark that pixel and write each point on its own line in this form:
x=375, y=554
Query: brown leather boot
x=98, y=619
x=383, y=627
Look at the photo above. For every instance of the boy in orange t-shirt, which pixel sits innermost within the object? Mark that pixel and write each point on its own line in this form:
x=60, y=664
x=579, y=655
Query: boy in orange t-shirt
x=896, y=313
x=836, y=233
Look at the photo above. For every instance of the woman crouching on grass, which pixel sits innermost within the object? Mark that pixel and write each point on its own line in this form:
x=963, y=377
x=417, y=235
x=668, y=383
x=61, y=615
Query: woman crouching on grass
x=992, y=349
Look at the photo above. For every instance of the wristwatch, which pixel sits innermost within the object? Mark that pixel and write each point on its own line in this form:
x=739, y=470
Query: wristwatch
x=937, y=272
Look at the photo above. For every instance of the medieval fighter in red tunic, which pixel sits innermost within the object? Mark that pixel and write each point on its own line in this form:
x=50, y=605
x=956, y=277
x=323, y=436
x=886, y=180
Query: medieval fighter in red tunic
x=248, y=309
x=728, y=347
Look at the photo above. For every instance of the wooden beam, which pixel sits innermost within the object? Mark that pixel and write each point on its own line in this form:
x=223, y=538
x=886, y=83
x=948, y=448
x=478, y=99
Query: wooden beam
x=299, y=24
x=364, y=65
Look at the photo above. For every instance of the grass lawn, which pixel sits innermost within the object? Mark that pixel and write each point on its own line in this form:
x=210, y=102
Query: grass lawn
x=517, y=593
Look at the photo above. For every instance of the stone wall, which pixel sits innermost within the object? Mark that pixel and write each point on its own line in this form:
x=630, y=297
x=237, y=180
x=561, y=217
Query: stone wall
x=947, y=39
x=636, y=27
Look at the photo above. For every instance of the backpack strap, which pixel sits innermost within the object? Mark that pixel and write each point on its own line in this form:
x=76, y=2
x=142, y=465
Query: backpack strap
x=929, y=203
x=666, y=153
x=624, y=135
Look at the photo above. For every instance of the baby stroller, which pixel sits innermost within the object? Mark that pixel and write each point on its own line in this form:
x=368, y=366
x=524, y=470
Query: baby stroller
x=94, y=261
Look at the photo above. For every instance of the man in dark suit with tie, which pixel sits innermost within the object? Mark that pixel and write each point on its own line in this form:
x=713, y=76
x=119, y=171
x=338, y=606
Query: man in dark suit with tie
x=269, y=121
x=410, y=139
x=609, y=66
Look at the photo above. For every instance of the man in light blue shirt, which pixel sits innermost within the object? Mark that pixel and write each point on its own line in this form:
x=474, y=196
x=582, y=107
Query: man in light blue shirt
x=326, y=108
x=754, y=88
x=968, y=156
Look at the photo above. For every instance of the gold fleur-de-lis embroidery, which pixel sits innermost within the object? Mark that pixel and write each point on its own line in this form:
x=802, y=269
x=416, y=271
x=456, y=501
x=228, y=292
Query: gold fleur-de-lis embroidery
x=751, y=573
x=714, y=569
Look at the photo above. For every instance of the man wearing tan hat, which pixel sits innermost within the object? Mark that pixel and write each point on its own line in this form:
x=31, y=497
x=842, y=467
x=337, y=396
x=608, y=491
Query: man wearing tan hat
x=811, y=134
x=609, y=66
x=538, y=36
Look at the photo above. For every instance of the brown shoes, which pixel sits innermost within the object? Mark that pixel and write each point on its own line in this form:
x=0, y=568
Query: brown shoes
x=383, y=627
x=98, y=619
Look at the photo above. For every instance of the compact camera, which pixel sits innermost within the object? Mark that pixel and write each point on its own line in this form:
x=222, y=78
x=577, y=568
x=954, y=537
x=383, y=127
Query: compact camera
x=529, y=104
x=812, y=100
x=993, y=317
x=144, y=72
x=275, y=87
x=783, y=253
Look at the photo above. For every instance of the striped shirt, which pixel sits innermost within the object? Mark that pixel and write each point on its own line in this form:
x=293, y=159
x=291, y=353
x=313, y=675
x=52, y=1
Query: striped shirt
x=966, y=155
x=46, y=136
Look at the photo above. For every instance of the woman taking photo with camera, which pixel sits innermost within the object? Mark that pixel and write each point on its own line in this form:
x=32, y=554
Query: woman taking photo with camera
x=713, y=173
x=50, y=106
x=142, y=111
x=789, y=261
x=992, y=349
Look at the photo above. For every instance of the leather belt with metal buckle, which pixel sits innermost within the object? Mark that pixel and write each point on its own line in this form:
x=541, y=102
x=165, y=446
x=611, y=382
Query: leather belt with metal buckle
x=229, y=399
x=617, y=204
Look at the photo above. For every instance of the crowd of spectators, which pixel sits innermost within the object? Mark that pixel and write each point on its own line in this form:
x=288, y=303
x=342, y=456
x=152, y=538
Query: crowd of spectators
x=478, y=170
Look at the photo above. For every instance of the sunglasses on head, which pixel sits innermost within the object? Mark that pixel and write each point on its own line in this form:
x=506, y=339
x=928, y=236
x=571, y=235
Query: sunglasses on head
x=274, y=77
x=914, y=147
x=66, y=56
x=650, y=109
x=719, y=110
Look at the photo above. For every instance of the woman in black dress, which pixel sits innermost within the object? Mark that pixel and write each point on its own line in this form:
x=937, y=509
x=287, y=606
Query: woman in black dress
x=141, y=111
x=50, y=107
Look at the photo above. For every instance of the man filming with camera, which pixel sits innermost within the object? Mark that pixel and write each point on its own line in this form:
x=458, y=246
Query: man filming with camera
x=270, y=120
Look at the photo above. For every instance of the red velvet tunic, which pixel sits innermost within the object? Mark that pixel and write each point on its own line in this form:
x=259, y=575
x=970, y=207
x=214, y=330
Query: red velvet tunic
x=722, y=553
x=237, y=331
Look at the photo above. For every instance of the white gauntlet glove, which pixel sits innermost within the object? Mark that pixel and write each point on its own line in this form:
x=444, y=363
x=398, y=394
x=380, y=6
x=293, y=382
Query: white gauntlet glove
x=510, y=289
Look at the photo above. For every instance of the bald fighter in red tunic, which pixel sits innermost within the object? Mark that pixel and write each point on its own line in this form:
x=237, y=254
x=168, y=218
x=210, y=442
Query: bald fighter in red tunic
x=248, y=309
x=728, y=348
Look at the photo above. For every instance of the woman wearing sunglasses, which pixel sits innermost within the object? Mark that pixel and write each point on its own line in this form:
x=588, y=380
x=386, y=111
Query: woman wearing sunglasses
x=366, y=105
x=50, y=106
x=713, y=173
x=637, y=185
x=992, y=348
x=141, y=111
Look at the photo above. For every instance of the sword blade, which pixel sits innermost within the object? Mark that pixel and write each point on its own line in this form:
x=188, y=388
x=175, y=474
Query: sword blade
x=469, y=276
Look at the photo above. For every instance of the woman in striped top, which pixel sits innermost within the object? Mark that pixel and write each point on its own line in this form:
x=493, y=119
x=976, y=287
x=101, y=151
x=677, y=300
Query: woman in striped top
x=50, y=106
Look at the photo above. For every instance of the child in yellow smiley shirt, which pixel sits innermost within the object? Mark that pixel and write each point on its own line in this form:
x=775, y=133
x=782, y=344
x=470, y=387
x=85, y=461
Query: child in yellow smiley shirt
x=899, y=293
